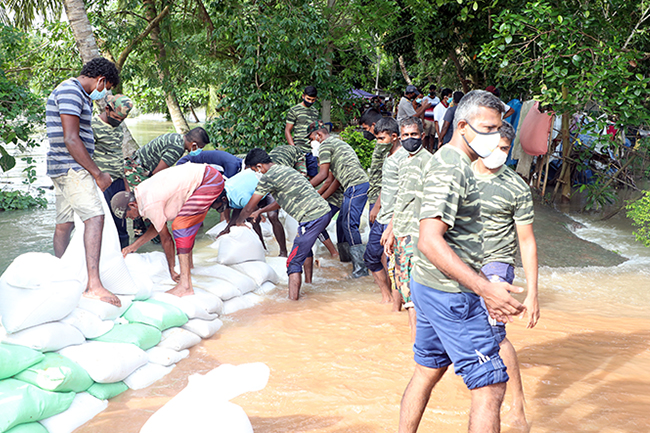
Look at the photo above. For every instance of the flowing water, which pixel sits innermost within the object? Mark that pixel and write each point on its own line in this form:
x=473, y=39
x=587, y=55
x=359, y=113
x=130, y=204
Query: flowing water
x=340, y=360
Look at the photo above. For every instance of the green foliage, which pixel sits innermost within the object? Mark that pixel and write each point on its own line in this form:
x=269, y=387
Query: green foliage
x=639, y=212
x=361, y=146
x=598, y=196
x=18, y=200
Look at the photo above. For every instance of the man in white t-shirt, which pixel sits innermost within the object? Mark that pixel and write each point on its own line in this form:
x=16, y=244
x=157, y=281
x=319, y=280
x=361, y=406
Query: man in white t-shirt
x=440, y=110
x=509, y=111
x=405, y=108
x=429, y=124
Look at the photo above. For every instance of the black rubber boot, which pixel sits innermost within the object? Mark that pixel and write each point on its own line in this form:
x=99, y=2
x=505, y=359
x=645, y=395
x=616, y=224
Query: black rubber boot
x=358, y=265
x=344, y=252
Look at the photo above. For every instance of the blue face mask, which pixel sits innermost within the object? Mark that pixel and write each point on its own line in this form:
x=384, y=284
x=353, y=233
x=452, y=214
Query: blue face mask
x=95, y=95
x=195, y=152
x=419, y=100
x=450, y=100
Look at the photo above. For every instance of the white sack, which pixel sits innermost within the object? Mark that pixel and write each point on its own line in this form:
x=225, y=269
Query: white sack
x=203, y=405
x=90, y=325
x=104, y=310
x=48, y=337
x=265, y=288
x=194, y=306
x=178, y=339
x=241, y=303
x=214, y=231
x=203, y=328
x=279, y=265
x=240, y=245
x=290, y=226
x=107, y=362
x=84, y=407
x=37, y=288
x=147, y=375
x=260, y=272
x=152, y=266
x=166, y=357
x=244, y=283
x=220, y=288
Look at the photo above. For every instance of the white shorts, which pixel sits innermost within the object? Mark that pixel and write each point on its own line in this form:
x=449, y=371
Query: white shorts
x=76, y=192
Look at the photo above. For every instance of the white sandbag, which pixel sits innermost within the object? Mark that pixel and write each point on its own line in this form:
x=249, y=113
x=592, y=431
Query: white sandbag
x=279, y=265
x=290, y=226
x=214, y=286
x=32, y=298
x=84, y=407
x=203, y=328
x=147, y=375
x=178, y=339
x=259, y=272
x=107, y=362
x=194, y=306
x=211, y=303
x=166, y=357
x=244, y=283
x=267, y=229
x=241, y=303
x=104, y=310
x=203, y=405
x=240, y=245
x=48, y=337
x=90, y=325
x=214, y=231
x=265, y=288
x=151, y=266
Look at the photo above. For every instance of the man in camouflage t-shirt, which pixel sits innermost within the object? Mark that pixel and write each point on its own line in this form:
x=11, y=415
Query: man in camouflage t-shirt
x=446, y=286
x=507, y=214
x=337, y=156
x=291, y=156
x=368, y=121
x=299, y=117
x=293, y=193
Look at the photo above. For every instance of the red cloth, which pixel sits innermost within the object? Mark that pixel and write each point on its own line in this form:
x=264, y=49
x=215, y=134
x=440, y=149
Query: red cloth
x=534, y=131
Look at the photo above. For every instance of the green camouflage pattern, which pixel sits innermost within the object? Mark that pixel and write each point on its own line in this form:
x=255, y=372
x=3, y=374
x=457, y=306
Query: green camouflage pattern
x=375, y=171
x=300, y=117
x=343, y=160
x=448, y=190
x=168, y=148
x=506, y=201
x=403, y=267
x=108, y=148
x=293, y=192
x=120, y=104
x=133, y=172
x=290, y=156
x=410, y=181
x=390, y=184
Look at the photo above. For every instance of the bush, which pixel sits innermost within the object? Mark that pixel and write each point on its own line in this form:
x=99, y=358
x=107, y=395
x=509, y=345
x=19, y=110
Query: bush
x=361, y=146
x=639, y=212
x=18, y=200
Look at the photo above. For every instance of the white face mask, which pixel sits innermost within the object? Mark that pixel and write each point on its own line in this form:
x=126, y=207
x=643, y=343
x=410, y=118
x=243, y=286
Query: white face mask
x=258, y=175
x=484, y=143
x=315, y=145
x=495, y=160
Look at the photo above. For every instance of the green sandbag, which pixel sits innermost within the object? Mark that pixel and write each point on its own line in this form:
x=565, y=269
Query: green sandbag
x=105, y=391
x=14, y=359
x=22, y=402
x=143, y=336
x=155, y=313
x=57, y=373
x=30, y=427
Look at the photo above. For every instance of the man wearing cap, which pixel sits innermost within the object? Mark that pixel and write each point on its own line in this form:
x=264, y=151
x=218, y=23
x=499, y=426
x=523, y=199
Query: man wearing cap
x=405, y=108
x=182, y=194
x=298, y=119
x=109, y=134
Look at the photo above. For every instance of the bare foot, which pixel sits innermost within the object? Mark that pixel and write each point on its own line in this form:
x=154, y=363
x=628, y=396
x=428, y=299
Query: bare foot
x=181, y=291
x=101, y=294
x=386, y=300
x=516, y=419
x=335, y=255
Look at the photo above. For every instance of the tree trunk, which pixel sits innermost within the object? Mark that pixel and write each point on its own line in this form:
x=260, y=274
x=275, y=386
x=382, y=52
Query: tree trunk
x=82, y=30
x=402, y=68
x=460, y=72
x=173, y=107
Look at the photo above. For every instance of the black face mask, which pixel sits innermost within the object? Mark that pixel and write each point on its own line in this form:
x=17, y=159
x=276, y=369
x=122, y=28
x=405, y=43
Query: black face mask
x=307, y=104
x=368, y=135
x=114, y=122
x=412, y=144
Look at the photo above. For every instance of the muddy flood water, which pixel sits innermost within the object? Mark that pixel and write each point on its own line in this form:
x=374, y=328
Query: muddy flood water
x=340, y=361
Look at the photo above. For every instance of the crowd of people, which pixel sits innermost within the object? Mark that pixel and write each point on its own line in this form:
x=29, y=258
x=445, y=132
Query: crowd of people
x=445, y=215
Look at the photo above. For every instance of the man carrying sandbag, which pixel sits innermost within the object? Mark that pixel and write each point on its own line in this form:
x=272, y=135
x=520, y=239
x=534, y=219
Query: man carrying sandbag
x=182, y=194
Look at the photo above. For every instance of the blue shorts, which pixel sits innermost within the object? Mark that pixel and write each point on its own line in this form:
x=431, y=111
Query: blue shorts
x=354, y=200
x=504, y=273
x=307, y=234
x=324, y=236
x=374, y=249
x=453, y=328
x=312, y=164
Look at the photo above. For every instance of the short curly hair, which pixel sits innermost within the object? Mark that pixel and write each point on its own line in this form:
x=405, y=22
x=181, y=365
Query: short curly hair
x=101, y=67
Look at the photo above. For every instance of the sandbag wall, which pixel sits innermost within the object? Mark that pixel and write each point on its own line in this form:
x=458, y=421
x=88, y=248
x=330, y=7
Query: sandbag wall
x=62, y=356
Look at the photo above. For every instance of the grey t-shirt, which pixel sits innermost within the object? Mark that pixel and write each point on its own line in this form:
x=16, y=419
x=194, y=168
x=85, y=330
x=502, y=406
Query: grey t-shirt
x=449, y=117
x=404, y=109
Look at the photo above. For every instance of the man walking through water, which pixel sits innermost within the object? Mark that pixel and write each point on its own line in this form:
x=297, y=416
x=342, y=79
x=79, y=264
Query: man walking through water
x=446, y=288
x=72, y=169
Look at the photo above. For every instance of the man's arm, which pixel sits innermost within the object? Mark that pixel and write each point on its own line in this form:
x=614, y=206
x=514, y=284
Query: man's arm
x=325, y=185
x=323, y=170
x=287, y=133
x=422, y=109
x=375, y=210
x=443, y=131
x=497, y=298
x=146, y=237
x=528, y=249
x=331, y=189
x=249, y=208
x=509, y=113
x=268, y=208
x=75, y=146
x=161, y=166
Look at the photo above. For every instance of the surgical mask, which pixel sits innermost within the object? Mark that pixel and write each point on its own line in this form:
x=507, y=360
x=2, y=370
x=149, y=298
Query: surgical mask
x=419, y=100
x=196, y=151
x=113, y=122
x=258, y=175
x=450, y=100
x=412, y=145
x=484, y=143
x=496, y=159
x=368, y=135
x=96, y=94
x=315, y=146
x=307, y=103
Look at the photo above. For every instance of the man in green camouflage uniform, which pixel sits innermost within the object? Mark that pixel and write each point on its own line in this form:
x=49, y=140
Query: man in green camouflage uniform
x=507, y=214
x=291, y=156
x=109, y=134
x=368, y=121
x=298, y=198
x=299, y=117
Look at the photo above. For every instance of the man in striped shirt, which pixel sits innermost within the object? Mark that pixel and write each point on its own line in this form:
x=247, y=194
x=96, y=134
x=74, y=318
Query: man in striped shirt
x=72, y=169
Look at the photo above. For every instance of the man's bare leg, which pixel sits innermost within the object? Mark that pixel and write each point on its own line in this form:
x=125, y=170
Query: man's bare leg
x=516, y=416
x=308, y=267
x=416, y=396
x=397, y=300
x=484, y=414
x=412, y=322
x=381, y=279
x=331, y=248
x=278, y=232
x=168, y=247
x=295, y=280
x=93, y=245
x=184, y=286
x=61, y=240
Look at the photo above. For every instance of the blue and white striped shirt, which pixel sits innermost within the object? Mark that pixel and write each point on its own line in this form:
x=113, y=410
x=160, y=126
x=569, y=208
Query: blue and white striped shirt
x=68, y=98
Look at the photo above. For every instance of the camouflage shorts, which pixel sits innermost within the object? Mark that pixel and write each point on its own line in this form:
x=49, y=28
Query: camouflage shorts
x=390, y=263
x=134, y=173
x=403, y=265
